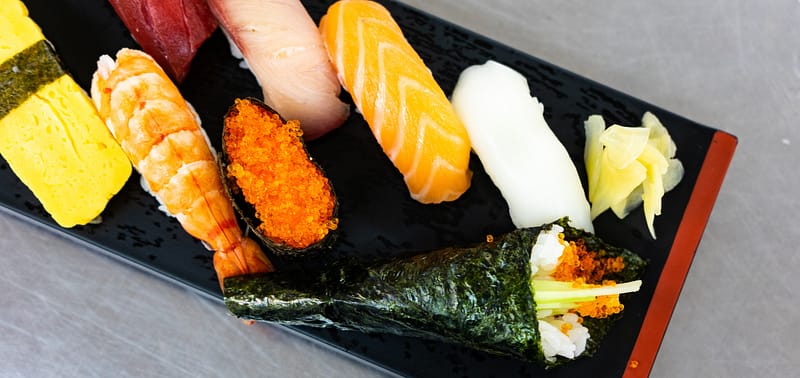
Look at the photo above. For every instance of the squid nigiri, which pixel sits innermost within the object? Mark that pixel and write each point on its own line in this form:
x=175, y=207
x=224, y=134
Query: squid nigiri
x=282, y=46
x=161, y=134
x=525, y=160
x=399, y=98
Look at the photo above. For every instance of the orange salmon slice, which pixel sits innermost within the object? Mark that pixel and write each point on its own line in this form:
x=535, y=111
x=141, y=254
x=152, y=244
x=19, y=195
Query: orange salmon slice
x=407, y=111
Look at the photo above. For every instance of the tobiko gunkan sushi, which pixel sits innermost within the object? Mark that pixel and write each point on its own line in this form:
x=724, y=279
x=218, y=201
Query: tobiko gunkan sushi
x=277, y=188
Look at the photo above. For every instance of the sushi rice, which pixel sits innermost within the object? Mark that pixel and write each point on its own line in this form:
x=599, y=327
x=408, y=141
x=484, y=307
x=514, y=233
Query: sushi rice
x=561, y=335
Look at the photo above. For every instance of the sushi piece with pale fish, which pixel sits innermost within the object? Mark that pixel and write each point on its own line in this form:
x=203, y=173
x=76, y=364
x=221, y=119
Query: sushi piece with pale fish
x=519, y=151
x=282, y=47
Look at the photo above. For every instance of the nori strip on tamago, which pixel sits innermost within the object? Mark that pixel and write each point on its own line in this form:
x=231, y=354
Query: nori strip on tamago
x=22, y=75
x=479, y=296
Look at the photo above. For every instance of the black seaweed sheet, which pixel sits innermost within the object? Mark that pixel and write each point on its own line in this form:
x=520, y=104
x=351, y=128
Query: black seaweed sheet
x=479, y=296
x=377, y=217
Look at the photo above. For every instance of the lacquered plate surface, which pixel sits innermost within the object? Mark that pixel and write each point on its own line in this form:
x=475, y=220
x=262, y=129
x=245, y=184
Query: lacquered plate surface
x=377, y=217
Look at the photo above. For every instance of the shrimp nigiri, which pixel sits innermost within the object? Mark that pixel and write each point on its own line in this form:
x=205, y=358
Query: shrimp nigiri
x=396, y=93
x=161, y=134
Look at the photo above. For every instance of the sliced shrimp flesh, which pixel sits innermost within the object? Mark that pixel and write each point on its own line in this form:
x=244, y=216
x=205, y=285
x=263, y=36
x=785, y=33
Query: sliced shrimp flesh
x=161, y=134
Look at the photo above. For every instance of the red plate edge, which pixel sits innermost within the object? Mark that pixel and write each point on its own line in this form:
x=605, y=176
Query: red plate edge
x=698, y=210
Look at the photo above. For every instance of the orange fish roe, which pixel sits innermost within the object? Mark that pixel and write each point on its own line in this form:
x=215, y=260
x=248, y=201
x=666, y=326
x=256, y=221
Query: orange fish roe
x=601, y=307
x=576, y=262
x=291, y=196
x=585, y=268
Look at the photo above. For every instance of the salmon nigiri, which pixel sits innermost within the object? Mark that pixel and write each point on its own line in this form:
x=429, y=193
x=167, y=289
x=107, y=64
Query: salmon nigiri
x=408, y=112
x=161, y=134
x=282, y=47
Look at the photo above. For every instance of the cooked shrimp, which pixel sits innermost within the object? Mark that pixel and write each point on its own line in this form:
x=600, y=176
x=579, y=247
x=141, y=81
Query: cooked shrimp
x=161, y=134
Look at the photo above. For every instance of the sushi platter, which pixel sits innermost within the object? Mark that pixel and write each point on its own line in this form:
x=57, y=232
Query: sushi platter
x=377, y=219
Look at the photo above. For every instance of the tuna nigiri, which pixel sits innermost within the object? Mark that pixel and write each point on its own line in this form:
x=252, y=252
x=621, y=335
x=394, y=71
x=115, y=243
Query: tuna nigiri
x=525, y=160
x=282, y=46
x=406, y=109
x=161, y=135
x=169, y=30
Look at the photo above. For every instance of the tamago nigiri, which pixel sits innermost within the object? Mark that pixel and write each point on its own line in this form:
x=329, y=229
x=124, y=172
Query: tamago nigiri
x=50, y=134
x=396, y=93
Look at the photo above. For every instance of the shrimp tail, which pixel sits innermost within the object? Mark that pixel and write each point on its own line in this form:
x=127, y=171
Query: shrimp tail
x=244, y=258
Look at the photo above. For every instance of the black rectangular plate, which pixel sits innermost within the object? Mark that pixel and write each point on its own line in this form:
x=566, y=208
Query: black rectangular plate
x=377, y=217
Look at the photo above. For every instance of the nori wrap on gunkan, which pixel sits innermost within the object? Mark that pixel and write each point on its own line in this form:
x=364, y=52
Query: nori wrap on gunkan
x=494, y=296
x=276, y=187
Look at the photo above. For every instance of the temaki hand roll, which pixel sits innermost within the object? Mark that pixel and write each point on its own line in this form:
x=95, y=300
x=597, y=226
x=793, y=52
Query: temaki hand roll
x=523, y=294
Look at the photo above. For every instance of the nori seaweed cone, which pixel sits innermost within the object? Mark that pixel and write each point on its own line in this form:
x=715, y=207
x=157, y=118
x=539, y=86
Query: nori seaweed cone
x=478, y=296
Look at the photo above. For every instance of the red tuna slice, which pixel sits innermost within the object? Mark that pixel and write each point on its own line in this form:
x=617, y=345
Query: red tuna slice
x=169, y=30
